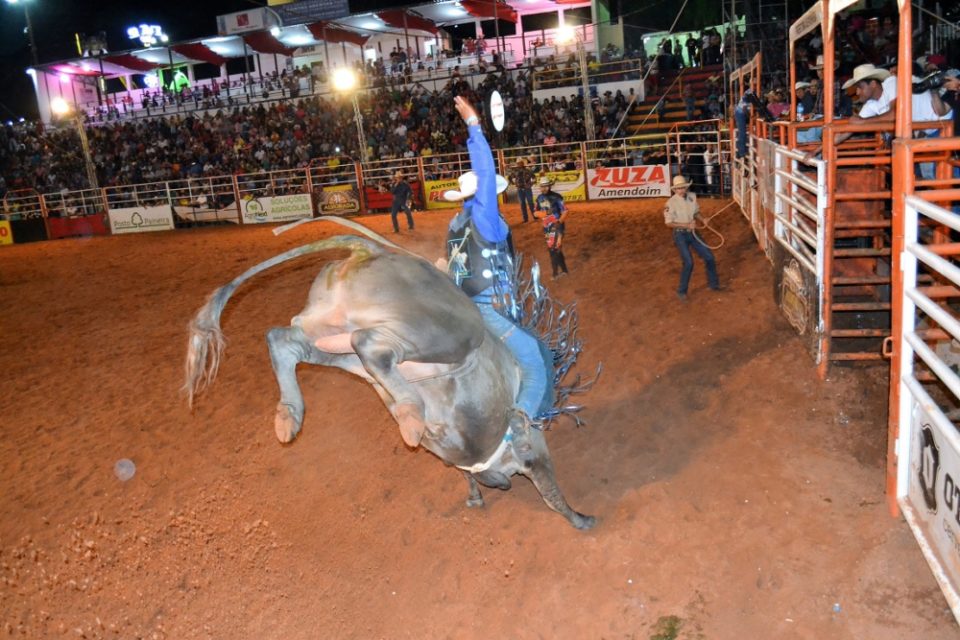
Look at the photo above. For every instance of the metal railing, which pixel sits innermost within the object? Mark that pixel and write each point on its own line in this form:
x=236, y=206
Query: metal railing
x=928, y=443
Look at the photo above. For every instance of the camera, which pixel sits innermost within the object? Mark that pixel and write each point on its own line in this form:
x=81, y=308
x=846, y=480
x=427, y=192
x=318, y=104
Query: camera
x=933, y=81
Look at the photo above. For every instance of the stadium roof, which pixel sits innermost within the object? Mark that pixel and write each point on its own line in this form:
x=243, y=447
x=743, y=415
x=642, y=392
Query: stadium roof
x=422, y=20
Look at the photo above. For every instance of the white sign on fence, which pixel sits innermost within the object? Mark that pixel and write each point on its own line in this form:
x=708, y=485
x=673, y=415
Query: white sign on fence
x=277, y=208
x=934, y=491
x=644, y=181
x=140, y=219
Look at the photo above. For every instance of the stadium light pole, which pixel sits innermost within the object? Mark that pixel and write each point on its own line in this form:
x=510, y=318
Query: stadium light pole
x=60, y=107
x=568, y=35
x=345, y=82
x=26, y=15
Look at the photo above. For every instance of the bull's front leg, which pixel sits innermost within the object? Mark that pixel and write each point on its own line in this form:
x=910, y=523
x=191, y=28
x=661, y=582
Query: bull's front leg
x=288, y=347
x=381, y=352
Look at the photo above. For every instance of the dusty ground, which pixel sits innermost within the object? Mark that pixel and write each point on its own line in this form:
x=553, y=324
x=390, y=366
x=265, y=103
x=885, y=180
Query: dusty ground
x=738, y=496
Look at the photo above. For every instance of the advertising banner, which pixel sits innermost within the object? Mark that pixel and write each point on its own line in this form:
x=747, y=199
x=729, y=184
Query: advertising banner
x=89, y=225
x=435, y=189
x=140, y=219
x=6, y=236
x=644, y=181
x=339, y=199
x=934, y=490
x=277, y=208
x=242, y=22
x=569, y=184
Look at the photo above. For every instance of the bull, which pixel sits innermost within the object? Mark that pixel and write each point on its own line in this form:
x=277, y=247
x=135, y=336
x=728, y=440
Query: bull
x=402, y=325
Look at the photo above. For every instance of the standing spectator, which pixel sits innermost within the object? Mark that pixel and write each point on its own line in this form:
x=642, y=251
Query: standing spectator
x=523, y=179
x=401, y=200
x=554, y=224
x=681, y=214
x=693, y=48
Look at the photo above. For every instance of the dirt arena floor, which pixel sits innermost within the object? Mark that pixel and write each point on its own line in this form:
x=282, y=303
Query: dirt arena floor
x=737, y=495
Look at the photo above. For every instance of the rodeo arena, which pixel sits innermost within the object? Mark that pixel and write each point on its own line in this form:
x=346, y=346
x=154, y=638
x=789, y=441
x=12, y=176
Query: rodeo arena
x=717, y=270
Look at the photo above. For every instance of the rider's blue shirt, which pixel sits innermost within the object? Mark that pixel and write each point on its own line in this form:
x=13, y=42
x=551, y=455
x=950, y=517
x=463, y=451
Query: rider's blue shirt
x=483, y=207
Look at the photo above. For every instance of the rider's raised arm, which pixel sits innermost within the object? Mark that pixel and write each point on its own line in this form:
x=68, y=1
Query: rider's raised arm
x=485, y=211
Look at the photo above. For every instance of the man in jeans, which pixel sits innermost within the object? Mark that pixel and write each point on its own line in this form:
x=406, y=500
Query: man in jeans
x=523, y=179
x=401, y=200
x=682, y=214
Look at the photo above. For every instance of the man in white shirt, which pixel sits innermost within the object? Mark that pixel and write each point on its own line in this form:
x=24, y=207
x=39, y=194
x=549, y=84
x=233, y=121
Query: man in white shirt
x=877, y=91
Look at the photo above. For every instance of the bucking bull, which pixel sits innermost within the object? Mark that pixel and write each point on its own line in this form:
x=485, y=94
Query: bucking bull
x=401, y=324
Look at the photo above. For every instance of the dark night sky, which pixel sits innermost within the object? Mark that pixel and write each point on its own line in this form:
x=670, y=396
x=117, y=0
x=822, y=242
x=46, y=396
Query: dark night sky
x=55, y=22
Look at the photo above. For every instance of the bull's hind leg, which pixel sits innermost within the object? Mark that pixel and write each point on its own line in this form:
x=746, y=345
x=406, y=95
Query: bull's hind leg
x=288, y=347
x=380, y=352
x=540, y=470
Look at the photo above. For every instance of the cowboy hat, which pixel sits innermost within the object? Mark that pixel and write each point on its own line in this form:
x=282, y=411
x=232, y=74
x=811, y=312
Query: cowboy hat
x=866, y=72
x=545, y=181
x=819, y=63
x=679, y=182
x=468, y=187
x=801, y=85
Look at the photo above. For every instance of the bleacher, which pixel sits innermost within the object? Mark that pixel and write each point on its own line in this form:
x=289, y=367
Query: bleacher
x=645, y=119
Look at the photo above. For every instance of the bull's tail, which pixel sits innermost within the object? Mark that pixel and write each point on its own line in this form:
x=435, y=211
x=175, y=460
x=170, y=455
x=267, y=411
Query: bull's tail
x=206, y=342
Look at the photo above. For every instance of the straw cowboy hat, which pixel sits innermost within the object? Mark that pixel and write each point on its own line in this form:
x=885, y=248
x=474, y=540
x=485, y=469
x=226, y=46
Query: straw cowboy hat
x=679, y=182
x=468, y=187
x=545, y=181
x=866, y=72
x=801, y=85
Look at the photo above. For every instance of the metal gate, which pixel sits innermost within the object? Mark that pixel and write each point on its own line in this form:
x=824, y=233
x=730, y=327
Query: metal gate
x=928, y=447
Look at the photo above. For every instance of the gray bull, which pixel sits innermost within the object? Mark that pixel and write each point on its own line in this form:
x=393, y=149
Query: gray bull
x=402, y=325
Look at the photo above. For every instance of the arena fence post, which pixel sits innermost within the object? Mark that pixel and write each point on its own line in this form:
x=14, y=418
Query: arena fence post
x=583, y=167
x=361, y=191
x=236, y=197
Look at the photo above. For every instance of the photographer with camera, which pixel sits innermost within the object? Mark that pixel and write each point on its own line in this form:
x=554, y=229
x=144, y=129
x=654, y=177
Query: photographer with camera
x=877, y=91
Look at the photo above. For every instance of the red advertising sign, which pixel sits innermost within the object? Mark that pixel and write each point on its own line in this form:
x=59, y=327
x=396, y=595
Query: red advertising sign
x=644, y=181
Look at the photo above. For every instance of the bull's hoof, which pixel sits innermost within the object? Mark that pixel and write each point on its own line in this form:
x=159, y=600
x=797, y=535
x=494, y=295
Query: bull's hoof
x=475, y=502
x=412, y=425
x=582, y=522
x=286, y=424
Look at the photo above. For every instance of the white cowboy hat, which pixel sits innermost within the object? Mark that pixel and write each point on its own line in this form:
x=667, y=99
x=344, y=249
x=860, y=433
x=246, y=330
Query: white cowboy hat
x=545, y=181
x=866, y=72
x=468, y=187
x=801, y=85
x=679, y=182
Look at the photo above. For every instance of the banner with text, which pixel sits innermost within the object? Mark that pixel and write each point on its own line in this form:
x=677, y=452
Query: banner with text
x=276, y=208
x=569, y=184
x=339, y=199
x=434, y=190
x=644, y=181
x=140, y=219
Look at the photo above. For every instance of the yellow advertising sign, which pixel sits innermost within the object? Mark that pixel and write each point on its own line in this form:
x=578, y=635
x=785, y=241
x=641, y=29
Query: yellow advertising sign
x=433, y=193
x=6, y=234
x=569, y=184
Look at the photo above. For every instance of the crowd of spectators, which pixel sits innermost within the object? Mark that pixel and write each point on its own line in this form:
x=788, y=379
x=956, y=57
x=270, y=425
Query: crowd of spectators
x=399, y=121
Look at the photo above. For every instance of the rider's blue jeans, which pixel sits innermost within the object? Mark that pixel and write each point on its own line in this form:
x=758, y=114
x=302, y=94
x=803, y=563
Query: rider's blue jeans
x=526, y=350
